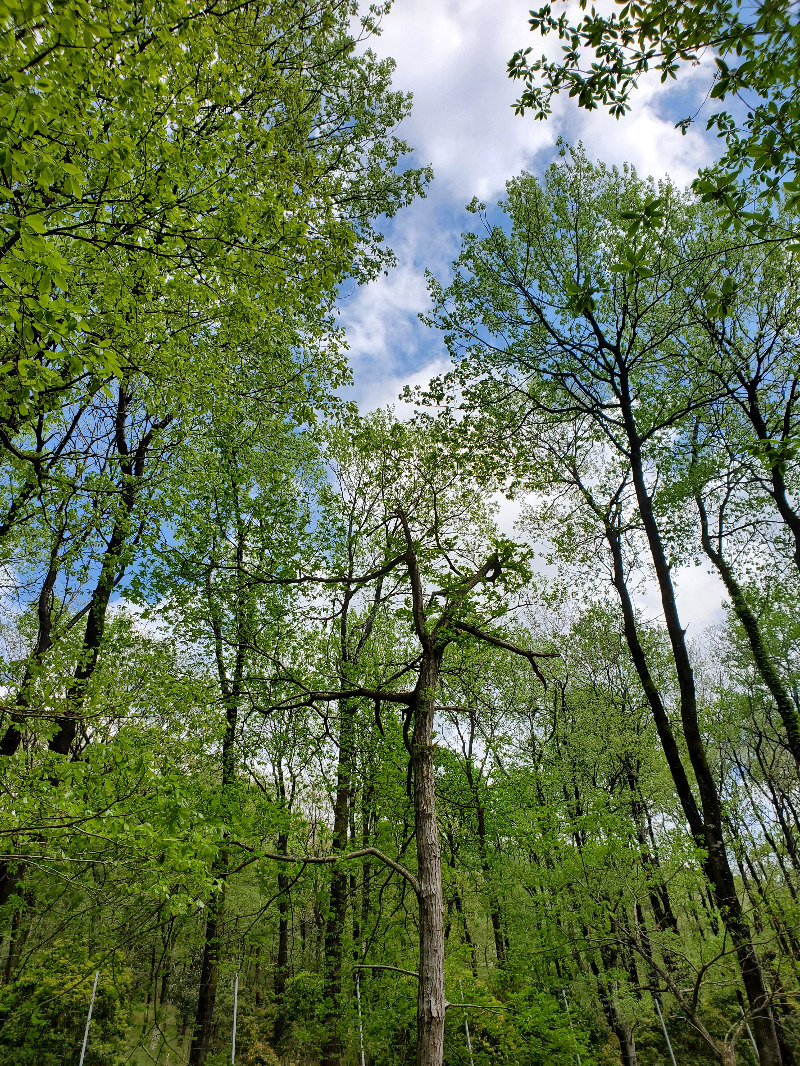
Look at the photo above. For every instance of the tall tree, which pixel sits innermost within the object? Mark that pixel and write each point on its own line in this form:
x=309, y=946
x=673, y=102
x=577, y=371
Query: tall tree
x=228, y=149
x=563, y=317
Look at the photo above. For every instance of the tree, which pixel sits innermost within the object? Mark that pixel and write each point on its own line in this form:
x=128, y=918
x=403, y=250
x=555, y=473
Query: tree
x=167, y=169
x=211, y=582
x=445, y=582
x=44, y=1013
x=561, y=320
x=244, y=162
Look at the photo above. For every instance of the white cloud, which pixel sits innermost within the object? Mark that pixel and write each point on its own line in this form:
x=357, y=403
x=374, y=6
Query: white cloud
x=383, y=392
x=388, y=345
x=452, y=55
x=646, y=136
x=700, y=595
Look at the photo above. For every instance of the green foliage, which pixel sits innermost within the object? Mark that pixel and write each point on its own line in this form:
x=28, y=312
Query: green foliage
x=143, y=140
x=304, y=1004
x=525, y=1027
x=757, y=54
x=43, y=1013
x=224, y=580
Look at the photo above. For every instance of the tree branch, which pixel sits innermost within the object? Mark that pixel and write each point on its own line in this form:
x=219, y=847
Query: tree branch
x=329, y=859
x=498, y=642
x=376, y=966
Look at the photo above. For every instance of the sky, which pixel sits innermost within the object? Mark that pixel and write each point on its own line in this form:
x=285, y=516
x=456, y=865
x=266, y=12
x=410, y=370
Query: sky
x=452, y=55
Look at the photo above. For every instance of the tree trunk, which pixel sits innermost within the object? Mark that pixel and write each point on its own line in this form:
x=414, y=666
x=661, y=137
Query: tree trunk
x=494, y=901
x=367, y=798
x=627, y=1044
x=776, y=466
x=431, y=1002
x=13, y=945
x=89, y=654
x=458, y=907
x=356, y=917
x=163, y=992
x=44, y=641
x=660, y=717
x=430, y=996
x=231, y=692
x=749, y=622
x=282, y=960
x=114, y=564
x=716, y=863
x=257, y=977
x=337, y=908
x=470, y=943
x=209, y=973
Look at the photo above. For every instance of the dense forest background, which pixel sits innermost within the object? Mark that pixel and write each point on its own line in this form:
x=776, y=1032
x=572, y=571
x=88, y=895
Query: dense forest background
x=306, y=758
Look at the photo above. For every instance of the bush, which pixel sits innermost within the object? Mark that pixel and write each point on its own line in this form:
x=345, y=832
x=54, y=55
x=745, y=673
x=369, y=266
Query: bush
x=304, y=1006
x=43, y=1013
x=524, y=1028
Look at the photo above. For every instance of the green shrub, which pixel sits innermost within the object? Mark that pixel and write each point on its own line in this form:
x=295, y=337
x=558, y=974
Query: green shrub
x=524, y=1028
x=43, y=1013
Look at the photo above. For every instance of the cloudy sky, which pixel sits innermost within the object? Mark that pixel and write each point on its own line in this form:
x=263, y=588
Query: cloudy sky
x=452, y=55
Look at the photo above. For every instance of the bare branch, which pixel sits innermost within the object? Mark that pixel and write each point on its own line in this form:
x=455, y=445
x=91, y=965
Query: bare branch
x=330, y=859
x=498, y=642
x=376, y=966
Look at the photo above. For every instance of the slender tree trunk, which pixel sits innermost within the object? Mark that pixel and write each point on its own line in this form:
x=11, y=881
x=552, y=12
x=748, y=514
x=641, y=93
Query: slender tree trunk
x=494, y=900
x=651, y=691
x=458, y=907
x=337, y=909
x=717, y=866
x=367, y=799
x=231, y=691
x=776, y=468
x=749, y=622
x=430, y=997
x=623, y=1030
x=431, y=1002
x=11, y=874
x=163, y=992
x=282, y=960
x=356, y=917
x=609, y=1007
x=13, y=945
x=209, y=971
x=151, y=994
x=657, y=890
x=779, y=802
x=114, y=564
x=462, y=917
x=257, y=977
x=44, y=641
x=89, y=654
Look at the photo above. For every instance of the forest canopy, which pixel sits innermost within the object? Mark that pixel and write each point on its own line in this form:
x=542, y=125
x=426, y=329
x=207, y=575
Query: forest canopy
x=308, y=755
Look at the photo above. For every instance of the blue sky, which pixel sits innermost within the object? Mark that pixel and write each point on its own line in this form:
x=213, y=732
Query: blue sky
x=452, y=55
